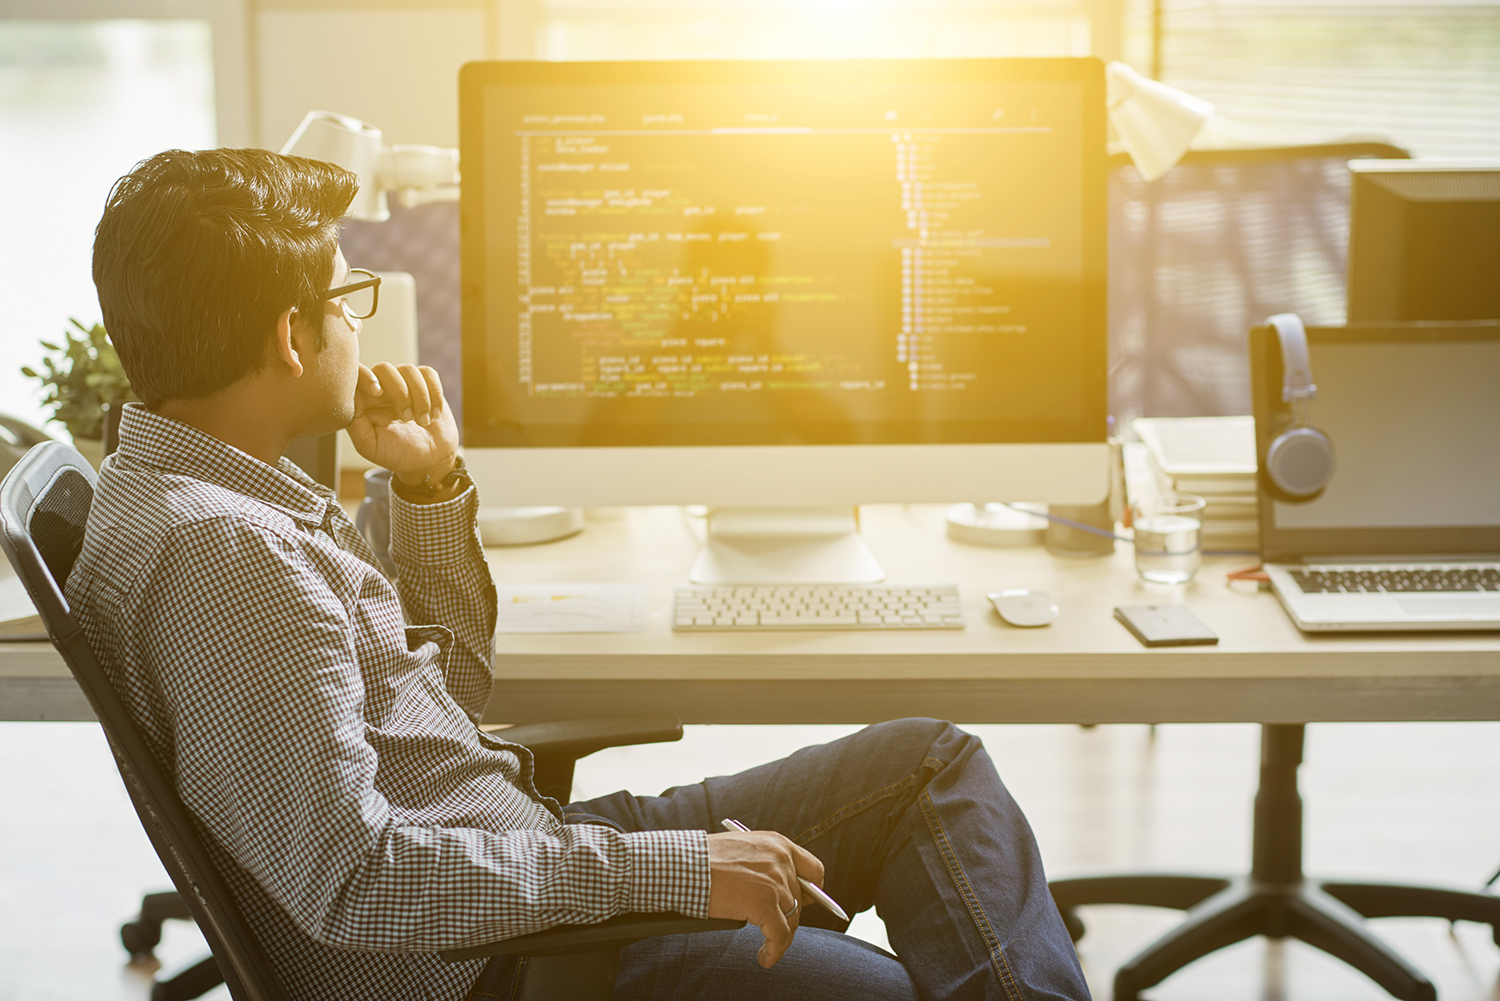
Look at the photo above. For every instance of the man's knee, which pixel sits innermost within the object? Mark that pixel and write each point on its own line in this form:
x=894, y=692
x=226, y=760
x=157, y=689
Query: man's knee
x=938, y=742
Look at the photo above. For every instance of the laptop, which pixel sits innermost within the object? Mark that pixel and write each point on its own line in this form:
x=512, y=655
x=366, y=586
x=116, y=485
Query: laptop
x=1406, y=535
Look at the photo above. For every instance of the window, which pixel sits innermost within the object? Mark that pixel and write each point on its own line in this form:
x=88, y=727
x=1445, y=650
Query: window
x=811, y=29
x=1423, y=76
x=80, y=103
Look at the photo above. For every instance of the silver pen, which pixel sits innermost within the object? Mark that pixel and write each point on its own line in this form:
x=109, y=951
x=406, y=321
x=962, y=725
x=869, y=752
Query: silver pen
x=812, y=889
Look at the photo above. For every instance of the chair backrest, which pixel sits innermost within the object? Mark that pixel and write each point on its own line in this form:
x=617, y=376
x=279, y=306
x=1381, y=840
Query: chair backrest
x=423, y=241
x=44, y=506
x=1220, y=242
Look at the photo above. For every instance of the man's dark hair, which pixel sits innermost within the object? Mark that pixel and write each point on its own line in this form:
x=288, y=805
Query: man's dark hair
x=197, y=255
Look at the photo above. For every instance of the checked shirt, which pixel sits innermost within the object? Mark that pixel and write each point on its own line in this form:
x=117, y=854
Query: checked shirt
x=326, y=749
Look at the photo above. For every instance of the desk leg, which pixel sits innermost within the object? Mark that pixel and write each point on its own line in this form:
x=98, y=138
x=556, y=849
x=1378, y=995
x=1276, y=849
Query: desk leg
x=1275, y=899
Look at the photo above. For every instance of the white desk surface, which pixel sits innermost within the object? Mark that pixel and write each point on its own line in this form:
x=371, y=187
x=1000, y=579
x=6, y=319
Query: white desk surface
x=1084, y=668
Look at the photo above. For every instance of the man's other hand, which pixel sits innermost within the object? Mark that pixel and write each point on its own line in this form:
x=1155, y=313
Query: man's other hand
x=753, y=877
x=402, y=422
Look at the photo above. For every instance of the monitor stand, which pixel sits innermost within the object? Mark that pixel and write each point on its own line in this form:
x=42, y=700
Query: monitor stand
x=811, y=545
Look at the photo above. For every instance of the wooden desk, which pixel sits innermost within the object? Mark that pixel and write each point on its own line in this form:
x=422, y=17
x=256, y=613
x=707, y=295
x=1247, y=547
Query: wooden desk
x=1084, y=668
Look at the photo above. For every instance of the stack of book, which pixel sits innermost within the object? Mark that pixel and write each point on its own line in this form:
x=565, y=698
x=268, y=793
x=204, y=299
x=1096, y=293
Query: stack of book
x=1213, y=457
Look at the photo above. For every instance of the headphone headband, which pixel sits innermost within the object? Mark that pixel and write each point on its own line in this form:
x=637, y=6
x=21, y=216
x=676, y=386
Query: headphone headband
x=1296, y=379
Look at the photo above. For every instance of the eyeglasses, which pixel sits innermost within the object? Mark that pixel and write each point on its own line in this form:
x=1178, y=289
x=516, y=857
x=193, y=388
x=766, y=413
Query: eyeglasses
x=357, y=299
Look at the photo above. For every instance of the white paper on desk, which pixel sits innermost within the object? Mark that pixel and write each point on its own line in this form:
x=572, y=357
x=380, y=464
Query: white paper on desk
x=571, y=608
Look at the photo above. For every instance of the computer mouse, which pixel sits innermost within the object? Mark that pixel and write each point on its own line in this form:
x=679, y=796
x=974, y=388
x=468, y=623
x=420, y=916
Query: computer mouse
x=1024, y=608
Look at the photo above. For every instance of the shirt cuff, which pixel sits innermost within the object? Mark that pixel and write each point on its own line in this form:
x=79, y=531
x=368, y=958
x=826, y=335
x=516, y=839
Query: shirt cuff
x=668, y=872
x=436, y=534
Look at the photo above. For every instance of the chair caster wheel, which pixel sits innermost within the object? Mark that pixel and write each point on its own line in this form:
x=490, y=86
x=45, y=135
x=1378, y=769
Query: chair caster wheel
x=1074, y=924
x=140, y=937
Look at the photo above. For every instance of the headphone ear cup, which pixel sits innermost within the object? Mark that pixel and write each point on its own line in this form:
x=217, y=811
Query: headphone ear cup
x=1299, y=463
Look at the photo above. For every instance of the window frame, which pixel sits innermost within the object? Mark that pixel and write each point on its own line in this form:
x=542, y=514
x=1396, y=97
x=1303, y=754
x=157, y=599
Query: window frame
x=227, y=20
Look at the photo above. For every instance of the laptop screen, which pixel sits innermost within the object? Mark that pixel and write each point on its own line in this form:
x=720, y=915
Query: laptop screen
x=1413, y=411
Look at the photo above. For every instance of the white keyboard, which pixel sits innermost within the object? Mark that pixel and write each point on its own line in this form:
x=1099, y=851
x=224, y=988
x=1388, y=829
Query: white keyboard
x=817, y=606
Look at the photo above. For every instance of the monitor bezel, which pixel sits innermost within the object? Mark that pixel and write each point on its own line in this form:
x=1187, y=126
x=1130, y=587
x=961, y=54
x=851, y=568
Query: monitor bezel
x=1377, y=268
x=1089, y=425
x=1273, y=415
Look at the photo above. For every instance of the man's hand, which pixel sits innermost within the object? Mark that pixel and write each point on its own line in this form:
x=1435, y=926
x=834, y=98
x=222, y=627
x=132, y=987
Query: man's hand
x=402, y=422
x=753, y=877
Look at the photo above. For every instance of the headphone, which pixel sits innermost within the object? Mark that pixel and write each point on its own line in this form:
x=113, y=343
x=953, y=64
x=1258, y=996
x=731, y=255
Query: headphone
x=1299, y=460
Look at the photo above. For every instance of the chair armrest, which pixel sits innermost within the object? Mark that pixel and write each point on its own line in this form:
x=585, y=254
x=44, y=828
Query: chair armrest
x=612, y=933
x=576, y=738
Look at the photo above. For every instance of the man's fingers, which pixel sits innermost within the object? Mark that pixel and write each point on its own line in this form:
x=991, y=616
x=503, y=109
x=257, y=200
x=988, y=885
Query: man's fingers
x=393, y=392
x=367, y=382
x=434, y=388
x=753, y=876
x=416, y=391
x=405, y=392
x=809, y=866
x=777, y=928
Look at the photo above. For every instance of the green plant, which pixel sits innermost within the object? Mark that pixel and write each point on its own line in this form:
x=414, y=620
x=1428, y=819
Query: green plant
x=80, y=376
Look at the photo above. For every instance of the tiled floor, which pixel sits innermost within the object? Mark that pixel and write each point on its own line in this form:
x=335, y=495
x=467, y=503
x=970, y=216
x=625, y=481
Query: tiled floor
x=1401, y=801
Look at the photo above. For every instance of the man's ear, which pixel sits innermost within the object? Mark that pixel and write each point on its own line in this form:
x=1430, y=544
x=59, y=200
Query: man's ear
x=286, y=342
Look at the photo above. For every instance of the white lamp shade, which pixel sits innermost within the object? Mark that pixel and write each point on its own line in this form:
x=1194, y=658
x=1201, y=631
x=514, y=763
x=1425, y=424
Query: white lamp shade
x=1156, y=123
x=353, y=145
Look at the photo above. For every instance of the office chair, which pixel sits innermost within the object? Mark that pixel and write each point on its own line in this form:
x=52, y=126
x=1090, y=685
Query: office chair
x=1220, y=242
x=1223, y=240
x=422, y=241
x=44, y=506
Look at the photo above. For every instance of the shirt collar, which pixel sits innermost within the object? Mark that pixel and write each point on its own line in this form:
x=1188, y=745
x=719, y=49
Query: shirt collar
x=171, y=447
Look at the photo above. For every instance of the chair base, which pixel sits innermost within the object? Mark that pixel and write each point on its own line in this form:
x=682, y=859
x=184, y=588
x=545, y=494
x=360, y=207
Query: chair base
x=1326, y=914
x=1275, y=900
x=143, y=934
x=193, y=982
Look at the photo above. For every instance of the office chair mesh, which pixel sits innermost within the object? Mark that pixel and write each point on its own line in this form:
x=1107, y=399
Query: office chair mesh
x=46, y=502
x=1220, y=242
x=58, y=518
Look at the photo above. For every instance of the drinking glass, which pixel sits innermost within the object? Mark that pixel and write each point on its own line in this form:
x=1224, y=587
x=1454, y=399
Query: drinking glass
x=1168, y=533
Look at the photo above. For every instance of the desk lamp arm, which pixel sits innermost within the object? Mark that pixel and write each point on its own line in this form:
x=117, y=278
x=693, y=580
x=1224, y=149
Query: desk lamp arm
x=418, y=174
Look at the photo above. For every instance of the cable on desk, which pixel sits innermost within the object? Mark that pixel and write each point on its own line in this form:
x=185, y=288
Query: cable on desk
x=1081, y=526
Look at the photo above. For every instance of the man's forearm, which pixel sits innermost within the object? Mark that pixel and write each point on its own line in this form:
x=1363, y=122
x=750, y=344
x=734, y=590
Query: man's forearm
x=444, y=580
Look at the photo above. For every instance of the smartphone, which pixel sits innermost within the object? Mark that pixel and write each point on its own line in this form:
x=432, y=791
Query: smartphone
x=1165, y=625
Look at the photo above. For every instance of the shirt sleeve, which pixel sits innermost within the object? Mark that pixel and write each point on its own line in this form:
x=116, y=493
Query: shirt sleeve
x=444, y=580
x=269, y=753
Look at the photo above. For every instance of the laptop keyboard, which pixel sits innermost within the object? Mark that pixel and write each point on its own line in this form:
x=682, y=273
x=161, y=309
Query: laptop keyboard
x=1397, y=580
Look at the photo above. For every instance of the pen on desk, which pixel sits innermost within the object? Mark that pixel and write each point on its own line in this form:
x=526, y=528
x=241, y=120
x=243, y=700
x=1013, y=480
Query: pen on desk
x=811, y=889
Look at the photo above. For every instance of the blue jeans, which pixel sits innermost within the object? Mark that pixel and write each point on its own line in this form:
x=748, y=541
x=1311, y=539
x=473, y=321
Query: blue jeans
x=908, y=817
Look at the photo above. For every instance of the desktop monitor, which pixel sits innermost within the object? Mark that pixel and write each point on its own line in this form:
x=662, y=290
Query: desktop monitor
x=1424, y=240
x=784, y=284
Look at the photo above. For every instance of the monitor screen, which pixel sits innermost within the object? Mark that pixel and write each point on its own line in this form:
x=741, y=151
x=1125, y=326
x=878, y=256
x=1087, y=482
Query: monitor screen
x=1424, y=240
x=677, y=254
x=1411, y=410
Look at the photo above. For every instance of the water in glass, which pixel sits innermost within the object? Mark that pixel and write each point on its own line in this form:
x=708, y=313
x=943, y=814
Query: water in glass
x=1167, y=549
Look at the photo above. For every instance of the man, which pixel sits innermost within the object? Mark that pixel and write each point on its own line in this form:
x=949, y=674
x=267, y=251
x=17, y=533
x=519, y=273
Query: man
x=328, y=751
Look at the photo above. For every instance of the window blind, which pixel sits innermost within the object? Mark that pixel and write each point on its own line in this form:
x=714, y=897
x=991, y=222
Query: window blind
x=1423, y=76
